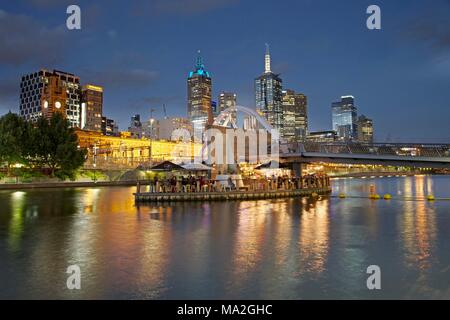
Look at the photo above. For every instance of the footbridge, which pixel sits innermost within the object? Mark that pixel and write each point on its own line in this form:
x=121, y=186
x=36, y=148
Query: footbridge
x=393, y=154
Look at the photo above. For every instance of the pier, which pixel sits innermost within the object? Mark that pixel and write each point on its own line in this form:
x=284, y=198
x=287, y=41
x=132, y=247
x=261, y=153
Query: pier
x=213, y=190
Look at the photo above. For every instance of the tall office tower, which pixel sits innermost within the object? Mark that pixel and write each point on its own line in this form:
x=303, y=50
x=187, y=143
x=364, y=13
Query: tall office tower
x=365, y=129
x=268, y=95
x=45, y=92
x=228, y=100
x=344, y=118
x=91, y=107
x=135, y=127
x=199, y=90
x=295, y=116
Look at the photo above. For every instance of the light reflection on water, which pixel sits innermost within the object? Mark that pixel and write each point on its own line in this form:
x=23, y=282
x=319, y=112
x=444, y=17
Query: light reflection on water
x=269, y=249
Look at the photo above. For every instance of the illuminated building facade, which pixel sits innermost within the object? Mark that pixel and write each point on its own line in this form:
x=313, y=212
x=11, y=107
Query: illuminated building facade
x=91, y=107
x=344, y=120
x=107, y=152
x=199, y=91
x=322, y=136
x=268, y=95
x=109, y=127
x=44, y=92
x=365, y=129
x=295, y=118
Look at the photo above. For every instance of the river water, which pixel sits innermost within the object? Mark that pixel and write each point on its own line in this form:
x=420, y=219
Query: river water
x=268, y=249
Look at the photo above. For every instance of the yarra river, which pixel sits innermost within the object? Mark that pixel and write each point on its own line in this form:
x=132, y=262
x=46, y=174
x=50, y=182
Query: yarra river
x=267, y=249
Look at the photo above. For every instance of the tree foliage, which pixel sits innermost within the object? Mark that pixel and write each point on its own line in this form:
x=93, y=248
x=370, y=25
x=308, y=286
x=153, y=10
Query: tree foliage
x=48, y=144
x=14, y=132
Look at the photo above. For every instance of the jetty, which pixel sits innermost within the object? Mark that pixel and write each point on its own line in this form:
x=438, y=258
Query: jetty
x=161, y=191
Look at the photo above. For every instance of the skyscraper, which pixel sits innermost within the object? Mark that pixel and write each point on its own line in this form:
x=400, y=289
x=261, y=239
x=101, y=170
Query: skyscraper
x=295, y=116
x=91, y=107
x=199, y=107
x=227, y=100
x=344, y=118
x=45, y=92
x=365, y=129
x=268, y=95
x=135, y=127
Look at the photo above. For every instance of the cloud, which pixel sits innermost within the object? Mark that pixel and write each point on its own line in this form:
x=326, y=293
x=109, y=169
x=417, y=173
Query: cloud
x=25, y=41
x=120, y=78
x=9, y=94
x=159, y=100
x=180, y=7
x=432, y=29
x=49, y=3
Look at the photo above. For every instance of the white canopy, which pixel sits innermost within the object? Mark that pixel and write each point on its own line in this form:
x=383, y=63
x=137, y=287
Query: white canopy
x=196, y=167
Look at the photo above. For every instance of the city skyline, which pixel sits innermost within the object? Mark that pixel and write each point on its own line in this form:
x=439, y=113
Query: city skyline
x=392, y=68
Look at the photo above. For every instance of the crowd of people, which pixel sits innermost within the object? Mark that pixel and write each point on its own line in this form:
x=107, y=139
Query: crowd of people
x=201, y=183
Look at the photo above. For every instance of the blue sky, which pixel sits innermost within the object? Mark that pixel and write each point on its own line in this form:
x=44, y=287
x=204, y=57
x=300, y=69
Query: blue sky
x=142, y=51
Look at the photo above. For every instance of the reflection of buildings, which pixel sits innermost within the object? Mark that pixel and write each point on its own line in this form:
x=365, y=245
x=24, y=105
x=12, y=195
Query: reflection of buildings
x=295, y=118
x=314, y=236
x=419, y=230
x=344, y=118
x=199, y=91
x=114, y=152
x=45, y=92
x=91, y=107
x=268, y=95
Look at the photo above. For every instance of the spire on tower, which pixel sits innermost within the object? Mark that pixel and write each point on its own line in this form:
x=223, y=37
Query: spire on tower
x=199, y=60
x=267, y=60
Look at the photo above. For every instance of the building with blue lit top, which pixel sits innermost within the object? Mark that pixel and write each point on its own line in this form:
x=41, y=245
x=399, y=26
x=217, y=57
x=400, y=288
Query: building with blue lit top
x=199, y=92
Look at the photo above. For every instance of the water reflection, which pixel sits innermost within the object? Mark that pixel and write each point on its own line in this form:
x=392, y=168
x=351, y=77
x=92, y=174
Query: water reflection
x=285, y=248
x=418, y=224
x=314, y=237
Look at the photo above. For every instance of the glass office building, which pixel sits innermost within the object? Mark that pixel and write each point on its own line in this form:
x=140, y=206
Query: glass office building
x=344, y=119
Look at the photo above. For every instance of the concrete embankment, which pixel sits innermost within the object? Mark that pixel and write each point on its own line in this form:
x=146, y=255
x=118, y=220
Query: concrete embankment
x=76, y=184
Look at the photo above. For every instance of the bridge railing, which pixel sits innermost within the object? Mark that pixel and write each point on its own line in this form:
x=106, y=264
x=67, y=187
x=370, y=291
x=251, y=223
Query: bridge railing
x=394, y=149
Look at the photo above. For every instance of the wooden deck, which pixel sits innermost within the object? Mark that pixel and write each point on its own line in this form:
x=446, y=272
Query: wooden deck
x=228, y=195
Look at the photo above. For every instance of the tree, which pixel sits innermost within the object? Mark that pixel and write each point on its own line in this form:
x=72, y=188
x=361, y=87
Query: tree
x=54, y=145
x=14, y=134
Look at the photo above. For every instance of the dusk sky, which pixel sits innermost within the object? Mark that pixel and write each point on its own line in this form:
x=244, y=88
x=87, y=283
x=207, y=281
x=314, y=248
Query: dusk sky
x=142, y=52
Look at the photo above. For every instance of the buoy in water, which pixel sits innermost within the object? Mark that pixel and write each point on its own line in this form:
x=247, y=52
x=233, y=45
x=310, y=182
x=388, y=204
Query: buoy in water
x=341, y=195
x=430, y=197
x=387, y=196
x=374, y=196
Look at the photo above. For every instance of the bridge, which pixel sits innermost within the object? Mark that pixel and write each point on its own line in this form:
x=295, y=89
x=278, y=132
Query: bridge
x=391, y=154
